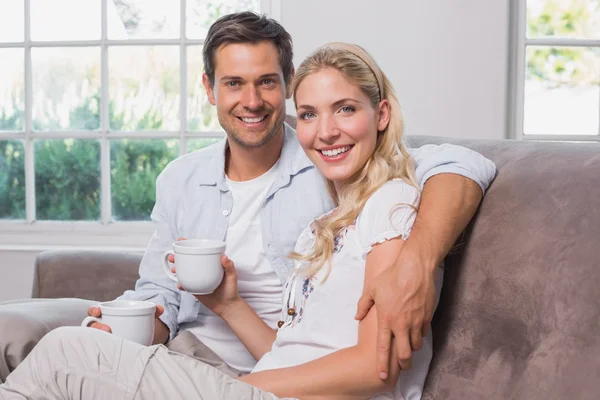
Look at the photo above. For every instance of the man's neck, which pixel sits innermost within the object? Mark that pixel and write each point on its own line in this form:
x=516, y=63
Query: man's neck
x=246, y=163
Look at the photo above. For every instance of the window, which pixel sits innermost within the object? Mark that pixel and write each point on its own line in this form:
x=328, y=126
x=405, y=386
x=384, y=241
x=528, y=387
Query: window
x=96, y=97
x=556, y=78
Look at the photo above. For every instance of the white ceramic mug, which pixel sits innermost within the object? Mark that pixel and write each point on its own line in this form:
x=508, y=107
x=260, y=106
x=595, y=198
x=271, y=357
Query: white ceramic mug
x=198, y=264
x=131, y=320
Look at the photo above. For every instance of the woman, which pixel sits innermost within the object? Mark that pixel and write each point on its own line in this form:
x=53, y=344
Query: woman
x=350, y=126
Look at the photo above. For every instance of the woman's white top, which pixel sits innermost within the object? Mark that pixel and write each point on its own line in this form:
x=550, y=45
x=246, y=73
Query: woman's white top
x=323, y=321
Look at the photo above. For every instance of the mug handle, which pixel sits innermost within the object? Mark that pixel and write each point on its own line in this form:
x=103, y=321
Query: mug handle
x=166, y=266
x=90, y=320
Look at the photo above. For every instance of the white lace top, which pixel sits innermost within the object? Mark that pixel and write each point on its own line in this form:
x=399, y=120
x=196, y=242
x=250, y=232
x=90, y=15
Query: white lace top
x=323, y=319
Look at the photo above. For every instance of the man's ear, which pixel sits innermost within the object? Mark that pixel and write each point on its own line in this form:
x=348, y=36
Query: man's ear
x=288, y=87
x=384, y=115
x=209, y=89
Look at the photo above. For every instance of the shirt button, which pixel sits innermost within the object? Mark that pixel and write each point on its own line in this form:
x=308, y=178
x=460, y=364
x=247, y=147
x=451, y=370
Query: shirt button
x=225, y=212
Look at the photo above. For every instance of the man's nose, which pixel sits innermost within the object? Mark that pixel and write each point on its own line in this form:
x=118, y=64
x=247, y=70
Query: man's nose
x=252, y=98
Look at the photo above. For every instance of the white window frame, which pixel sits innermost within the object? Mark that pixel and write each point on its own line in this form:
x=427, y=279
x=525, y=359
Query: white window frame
x=518, y=43
x=33, y=235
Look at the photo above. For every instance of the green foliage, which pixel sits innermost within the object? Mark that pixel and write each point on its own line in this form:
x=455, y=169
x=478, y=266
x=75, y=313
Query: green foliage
x=135, y=164
x=67, y=179
x=564, y=65
x=12, y=179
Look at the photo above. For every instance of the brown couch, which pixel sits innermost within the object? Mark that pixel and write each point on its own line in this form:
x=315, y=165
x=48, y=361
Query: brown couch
x=519, y=316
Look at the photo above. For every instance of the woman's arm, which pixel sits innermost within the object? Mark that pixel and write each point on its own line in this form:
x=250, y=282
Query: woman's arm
x=250, y=328
x=226, y=302
x=345, y=374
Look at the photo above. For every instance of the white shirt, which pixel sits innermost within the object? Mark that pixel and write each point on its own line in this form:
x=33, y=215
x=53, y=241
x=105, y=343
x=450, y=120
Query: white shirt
x=258, y=283
x=324, y=319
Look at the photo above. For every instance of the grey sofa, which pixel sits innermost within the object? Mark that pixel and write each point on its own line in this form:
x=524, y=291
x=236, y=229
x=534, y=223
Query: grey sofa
x=519, y=316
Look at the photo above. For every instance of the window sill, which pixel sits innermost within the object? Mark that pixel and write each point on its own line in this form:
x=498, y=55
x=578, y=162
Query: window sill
x=46, y=235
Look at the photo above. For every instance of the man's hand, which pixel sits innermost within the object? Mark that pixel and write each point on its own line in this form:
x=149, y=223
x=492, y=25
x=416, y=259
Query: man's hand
x=96, y=312
x=405, y=298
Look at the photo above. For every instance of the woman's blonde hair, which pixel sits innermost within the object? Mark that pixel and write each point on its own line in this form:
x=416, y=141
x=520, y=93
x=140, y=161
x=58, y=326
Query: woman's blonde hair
x=389, y=160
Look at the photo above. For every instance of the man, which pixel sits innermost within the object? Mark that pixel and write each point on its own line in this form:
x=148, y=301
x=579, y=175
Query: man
x=257, y=190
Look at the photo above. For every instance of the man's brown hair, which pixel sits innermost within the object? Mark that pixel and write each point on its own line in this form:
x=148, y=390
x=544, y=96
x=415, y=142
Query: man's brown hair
x=247, y=27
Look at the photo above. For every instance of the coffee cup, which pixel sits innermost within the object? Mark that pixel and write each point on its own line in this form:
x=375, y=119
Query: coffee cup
x=198, y=264
x=131, y=320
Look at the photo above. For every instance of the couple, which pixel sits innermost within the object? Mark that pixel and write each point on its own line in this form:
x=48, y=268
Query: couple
x=291, y=297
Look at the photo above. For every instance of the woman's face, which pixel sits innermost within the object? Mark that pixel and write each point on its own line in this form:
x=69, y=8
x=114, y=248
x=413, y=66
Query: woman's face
x=337, y=125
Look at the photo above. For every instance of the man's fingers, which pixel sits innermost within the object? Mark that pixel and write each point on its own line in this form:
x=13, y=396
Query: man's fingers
x=364, y=305
x=384, y=341
x=403, y=350
x=228, y=265
x=171, y=258
x=159, y=310
x=416, y=339
x=101, y=327
x=94, y=312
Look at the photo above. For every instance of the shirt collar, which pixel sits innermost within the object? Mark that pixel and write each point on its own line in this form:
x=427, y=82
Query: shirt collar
x=292, y=161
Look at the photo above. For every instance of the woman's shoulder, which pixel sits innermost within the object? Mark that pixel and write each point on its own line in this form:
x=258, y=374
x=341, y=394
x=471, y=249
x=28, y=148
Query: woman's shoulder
x=390, y=194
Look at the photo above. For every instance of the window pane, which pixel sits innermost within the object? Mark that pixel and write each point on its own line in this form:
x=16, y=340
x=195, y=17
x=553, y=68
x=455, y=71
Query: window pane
x=12, y=21
x=202, y=116
x=12, y=179
x=66, y=88
x=194, y=144
x=134, y=166
x=563, y=18
x=201, y=14
x=136, y=19
x=144, y=88
x=12, y=93
x=67, y=179
x=65, y=19
x=562, y=91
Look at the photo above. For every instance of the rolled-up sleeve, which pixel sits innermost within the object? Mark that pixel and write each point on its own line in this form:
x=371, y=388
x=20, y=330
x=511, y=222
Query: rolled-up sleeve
x=153, y=284
x=431, y=160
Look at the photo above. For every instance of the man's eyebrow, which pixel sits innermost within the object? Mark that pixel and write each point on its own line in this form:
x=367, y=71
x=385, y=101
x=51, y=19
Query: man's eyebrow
x=231, y=78
x=270, y=75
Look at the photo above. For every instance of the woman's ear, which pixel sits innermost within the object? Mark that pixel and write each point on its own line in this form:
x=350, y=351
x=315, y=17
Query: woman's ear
x=384, y=115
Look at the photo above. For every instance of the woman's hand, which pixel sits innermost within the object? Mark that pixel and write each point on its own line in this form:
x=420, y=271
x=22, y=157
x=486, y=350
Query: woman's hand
x=225, y=296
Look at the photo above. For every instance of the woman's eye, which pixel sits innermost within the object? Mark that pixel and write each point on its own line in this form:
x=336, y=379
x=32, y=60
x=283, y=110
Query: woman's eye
x=347, y=109
x=307, y=115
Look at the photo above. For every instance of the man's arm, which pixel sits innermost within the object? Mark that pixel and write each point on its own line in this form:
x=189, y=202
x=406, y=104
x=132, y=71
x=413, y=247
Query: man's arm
x=453, y=179
x=154, y=285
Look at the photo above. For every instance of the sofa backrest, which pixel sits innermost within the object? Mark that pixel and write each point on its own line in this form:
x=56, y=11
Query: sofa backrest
x=90, y=275
x=519, y=315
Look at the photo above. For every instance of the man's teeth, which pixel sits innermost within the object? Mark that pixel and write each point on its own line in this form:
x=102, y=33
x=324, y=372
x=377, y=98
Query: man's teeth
x=253, y=120
x=335, y=152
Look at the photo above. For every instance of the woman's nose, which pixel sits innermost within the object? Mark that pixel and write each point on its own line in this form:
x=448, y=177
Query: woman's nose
x=328, y=130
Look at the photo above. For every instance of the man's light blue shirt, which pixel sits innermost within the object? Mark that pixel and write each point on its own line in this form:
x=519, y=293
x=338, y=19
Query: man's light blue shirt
x=193, y=201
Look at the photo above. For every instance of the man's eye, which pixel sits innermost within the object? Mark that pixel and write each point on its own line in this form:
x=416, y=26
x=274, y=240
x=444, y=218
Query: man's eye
x=307, y=115
x=268, y=82
x=232, y=84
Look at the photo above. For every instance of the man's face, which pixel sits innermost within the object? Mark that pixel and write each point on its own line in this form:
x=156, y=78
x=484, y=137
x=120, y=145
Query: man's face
x=249, y=92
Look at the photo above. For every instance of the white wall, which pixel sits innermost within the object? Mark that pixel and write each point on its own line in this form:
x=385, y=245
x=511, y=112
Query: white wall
x=448, y=59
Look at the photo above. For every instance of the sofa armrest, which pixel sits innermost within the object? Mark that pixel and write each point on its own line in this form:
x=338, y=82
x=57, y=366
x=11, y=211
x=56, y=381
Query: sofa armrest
x=93, y=275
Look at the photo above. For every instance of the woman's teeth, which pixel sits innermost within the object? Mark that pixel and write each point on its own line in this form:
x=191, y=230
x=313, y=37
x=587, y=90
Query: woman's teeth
x=335, y=152
x=253, y=120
